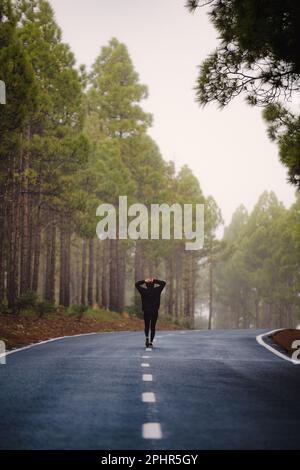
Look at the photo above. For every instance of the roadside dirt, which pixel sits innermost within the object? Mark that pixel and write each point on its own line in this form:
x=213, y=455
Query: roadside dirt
x=18, y=331
x=285, y=339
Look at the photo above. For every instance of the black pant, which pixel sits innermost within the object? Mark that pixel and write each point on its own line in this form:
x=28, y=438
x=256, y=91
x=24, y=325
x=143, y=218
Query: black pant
x=150, y=319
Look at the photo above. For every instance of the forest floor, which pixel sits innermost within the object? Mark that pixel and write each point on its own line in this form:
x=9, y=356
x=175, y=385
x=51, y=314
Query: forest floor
x=285, y=338
x=21, y=330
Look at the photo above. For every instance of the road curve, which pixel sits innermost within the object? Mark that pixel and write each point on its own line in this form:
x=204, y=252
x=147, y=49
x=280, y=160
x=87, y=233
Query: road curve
x=209, y=390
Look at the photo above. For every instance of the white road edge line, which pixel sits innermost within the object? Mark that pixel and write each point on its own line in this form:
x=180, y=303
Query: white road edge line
x=148, y=397
x=13, y=351
x=260, y=340
x=152, y=431
x=147, y=377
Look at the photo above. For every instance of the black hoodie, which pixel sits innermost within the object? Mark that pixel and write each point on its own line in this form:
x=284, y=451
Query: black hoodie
x=150, y=294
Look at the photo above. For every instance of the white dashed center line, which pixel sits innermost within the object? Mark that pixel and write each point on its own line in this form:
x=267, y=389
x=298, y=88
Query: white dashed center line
x=149, y=430
x=148, y=397
x=147, y=377
x=152, y=431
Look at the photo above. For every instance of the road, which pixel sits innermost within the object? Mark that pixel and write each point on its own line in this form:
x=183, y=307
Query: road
x=209, y=390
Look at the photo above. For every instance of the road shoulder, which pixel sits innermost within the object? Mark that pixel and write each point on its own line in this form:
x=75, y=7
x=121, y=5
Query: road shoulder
x=273, y=341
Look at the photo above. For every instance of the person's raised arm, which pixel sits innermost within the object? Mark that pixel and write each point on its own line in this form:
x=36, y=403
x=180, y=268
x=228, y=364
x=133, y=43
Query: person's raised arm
x=161, y=284
x=139, y=287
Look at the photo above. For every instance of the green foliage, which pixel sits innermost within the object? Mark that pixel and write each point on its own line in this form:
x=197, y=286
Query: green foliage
x=257, y=280
x=53, y=138
x=103, y=315
x=284, y=128
x=45, y=307
x=115, y=93
x=78, y=310
x=258, y=53
x=70, y=140
x=99, y=314
x=28, y=300
x=16, y=71
x=134, y=310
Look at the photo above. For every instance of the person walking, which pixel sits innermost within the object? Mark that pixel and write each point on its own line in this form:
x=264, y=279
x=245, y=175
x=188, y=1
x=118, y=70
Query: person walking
x=150, y=294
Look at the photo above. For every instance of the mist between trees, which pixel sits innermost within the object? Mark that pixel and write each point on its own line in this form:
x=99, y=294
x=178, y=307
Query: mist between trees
x=71, y=139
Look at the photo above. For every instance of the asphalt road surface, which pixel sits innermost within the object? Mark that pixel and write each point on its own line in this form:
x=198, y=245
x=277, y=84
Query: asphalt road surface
x=195, y=390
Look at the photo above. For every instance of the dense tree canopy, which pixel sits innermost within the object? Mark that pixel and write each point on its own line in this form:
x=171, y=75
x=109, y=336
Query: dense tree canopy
x=70, y=140
x=258, y=52
x=257, y=281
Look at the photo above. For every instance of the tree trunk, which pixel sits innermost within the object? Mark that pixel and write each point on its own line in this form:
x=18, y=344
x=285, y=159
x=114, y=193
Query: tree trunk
x=64, y=278
x=91, y=273
x=121, y=276
x=25, y=261
x=77, y=292
x=83, y=273
x=14, y=237
x=67, y=267
x=193, y=283
x=178, y=261
x=50, y=263
x=113, y=279
x=99, y=264
x=106, y=274
x=36, y=251
x=2, y=241
x=170, y=278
